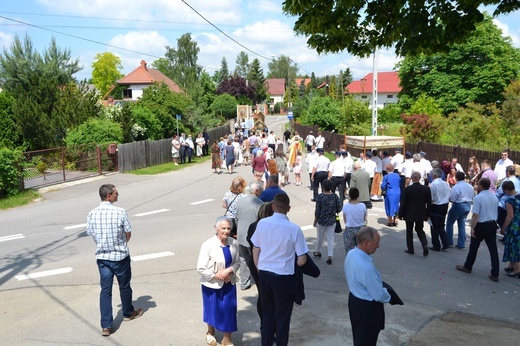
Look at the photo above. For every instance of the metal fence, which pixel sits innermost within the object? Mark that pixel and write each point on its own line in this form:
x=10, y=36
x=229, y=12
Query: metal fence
x=433, y=151
x=57, y=165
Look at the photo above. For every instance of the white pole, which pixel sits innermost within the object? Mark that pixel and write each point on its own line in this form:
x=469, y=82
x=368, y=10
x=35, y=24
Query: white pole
x=374, y=96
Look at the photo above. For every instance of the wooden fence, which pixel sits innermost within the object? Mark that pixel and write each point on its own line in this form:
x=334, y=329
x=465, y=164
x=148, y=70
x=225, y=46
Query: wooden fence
x=433, y=151
x=136, y=155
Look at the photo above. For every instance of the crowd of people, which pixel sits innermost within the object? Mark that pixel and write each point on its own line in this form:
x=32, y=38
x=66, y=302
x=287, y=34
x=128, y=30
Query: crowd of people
x=269, y=250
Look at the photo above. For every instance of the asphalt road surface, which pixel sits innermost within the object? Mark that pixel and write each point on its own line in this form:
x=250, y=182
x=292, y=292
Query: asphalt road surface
x=49, y=283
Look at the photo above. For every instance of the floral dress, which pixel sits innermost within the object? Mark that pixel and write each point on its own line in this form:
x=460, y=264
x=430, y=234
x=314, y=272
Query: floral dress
x=512, y=236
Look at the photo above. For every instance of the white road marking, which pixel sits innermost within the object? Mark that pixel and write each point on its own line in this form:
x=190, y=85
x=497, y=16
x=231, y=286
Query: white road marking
x=373, y=214
x=304, y=228
x=152, y=256
x=76, y=226
x=377, y=209
x=153, y=212
x=203, y=201
x=44, y=273
x=12, y=237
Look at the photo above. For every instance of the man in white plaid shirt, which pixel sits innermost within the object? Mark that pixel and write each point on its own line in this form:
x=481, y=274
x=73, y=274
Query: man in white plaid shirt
x=111, y=230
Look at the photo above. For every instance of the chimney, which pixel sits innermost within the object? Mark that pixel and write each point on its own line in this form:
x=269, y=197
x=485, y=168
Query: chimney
x=143, y=64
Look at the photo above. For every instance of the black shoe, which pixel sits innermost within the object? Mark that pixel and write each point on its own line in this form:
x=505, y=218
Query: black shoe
x=409, y=252
x=509, y=270
x=434, y=249
x=329, y=261
x=425, y=251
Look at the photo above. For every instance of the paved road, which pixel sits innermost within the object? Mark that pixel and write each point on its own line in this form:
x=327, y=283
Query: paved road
x=63, y=308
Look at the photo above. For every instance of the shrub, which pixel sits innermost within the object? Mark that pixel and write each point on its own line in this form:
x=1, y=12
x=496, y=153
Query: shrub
x=11, y=173
x=95, y=131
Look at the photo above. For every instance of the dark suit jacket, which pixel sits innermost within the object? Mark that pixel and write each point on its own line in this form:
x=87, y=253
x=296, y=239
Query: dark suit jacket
x=416, y=203
x=309, y=268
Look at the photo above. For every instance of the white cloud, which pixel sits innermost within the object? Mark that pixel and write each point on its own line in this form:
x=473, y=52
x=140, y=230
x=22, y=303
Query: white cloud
x=515, y=36
x=6, y=39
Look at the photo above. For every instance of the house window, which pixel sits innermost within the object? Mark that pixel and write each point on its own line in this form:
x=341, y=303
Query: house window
x=389, y=96
x=364, y=97
x=127, y=94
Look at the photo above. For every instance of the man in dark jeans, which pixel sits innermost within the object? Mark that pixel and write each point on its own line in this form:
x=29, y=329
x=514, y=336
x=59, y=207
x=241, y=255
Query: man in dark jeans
x=111, y=230
x=483, y=227
x=440, y=200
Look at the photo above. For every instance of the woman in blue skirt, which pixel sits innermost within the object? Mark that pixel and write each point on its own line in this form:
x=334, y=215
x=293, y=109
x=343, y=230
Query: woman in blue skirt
x=217, y=264
x=392, y=191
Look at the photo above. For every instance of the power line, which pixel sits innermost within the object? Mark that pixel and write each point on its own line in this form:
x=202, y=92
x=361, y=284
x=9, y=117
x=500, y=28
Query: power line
x=223, y=33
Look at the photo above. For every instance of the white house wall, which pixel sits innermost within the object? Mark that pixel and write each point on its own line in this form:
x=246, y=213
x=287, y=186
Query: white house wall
x=382, y=99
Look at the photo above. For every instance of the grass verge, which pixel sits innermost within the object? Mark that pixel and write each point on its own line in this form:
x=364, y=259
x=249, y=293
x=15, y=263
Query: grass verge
x=20, y=199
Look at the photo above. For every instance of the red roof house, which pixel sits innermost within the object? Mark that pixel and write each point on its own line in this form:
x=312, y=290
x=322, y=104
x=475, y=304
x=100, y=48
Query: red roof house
x=141, y=78
x=387, y=88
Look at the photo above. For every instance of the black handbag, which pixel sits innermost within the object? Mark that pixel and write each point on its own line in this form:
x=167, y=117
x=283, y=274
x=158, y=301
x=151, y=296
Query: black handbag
x=338, y=228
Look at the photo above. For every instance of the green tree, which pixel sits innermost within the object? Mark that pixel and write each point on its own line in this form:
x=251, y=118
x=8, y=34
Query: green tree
x=257, y=81
x=355, y=117
x=283, y=67
x=510, y=113
x=225, y=105
x=182, y=67
x=475, y=71
x=9, y=136
x=208, y=91
x=106, y=70
x=75, y=104
x=323, y=112
x=223, y=73
x=242, y=65
x=159, y=101
x=412, y=27
x=35, y=82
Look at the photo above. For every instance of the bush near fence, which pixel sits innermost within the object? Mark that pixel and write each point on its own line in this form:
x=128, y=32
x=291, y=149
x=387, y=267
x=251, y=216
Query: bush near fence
x=433, y=151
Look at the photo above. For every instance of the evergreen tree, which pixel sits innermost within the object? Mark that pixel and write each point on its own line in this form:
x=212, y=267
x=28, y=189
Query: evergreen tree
x=257, y=81
x=242, y=65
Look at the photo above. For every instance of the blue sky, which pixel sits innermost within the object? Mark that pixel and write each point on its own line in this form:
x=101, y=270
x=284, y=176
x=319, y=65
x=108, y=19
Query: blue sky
x=146, y=27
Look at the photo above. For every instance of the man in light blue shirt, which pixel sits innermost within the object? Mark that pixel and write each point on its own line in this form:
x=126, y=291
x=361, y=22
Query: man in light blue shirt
x=367, y=294
x=461, y=196
x=483, y=227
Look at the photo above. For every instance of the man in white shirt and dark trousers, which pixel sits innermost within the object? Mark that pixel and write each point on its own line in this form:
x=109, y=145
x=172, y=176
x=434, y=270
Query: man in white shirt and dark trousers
x=483, y=227
x=320, y=172
x=277, y=244
x=337, y=175
x=440, y=201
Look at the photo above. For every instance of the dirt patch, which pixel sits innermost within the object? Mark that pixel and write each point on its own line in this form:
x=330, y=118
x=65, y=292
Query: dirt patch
x=457, y=328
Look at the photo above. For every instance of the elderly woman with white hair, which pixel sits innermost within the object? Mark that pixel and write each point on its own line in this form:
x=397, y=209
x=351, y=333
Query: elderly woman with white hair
x=217, y=264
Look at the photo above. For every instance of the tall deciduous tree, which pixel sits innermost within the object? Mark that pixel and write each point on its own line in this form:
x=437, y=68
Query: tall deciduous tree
x=35, y=81
x=283, y=67
x=257, y=81
x=106, y=70
x=182, y=63
x=475, y=71
x=412, y=26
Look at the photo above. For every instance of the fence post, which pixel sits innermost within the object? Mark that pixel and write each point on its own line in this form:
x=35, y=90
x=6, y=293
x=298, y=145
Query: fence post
x=98, y=152
x=63, y=163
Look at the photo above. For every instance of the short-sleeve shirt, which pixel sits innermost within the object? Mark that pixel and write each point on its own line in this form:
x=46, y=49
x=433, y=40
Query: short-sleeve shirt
x=355, y=214
x=279, y=240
